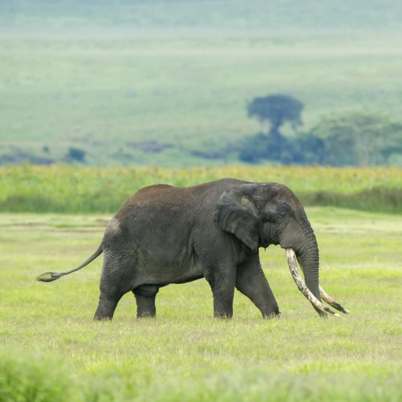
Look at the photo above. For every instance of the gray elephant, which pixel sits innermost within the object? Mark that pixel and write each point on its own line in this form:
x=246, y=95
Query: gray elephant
x=165, y=234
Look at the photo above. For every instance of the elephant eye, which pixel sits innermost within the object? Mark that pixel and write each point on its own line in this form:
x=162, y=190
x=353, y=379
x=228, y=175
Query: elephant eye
x=278, y=214
x=282, y=214
x=284, y=209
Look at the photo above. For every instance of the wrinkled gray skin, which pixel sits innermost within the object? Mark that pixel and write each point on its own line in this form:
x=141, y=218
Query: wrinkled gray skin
x=166, y=234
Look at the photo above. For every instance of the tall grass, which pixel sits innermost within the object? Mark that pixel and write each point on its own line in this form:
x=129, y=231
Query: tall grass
x=89, y=189
x=23, y=379
x=33, y=380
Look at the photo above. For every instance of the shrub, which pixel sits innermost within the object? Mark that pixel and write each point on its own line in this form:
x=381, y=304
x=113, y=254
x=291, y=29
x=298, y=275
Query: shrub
x=76, y=154
x=33, y=381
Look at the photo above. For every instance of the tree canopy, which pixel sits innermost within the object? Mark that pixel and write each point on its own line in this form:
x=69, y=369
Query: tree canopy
x=276, y=110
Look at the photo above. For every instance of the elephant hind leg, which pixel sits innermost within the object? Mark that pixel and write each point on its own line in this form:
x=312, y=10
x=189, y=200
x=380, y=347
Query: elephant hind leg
x=117, y=278
x=106, y=307
x=145, y=297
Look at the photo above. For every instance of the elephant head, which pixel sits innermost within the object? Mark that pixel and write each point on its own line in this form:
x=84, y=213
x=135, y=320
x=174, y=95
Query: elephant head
x=263, y=214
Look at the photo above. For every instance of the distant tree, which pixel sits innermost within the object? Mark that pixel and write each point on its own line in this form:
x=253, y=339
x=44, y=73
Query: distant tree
x=274, y=111
x=76, y=154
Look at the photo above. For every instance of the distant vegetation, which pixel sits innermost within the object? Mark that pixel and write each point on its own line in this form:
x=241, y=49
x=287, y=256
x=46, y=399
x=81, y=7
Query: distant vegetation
x=353, y=139
x=84, y=189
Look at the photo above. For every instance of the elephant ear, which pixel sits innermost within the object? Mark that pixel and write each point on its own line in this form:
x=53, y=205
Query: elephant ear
x=236, y=214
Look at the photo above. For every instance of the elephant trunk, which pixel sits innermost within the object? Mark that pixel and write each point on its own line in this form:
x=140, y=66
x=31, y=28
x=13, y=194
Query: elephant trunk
x=308, y=257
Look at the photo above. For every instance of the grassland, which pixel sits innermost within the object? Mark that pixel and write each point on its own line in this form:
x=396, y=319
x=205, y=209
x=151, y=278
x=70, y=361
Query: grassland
x=51, y=351
x=71, y=189
x=110, y=95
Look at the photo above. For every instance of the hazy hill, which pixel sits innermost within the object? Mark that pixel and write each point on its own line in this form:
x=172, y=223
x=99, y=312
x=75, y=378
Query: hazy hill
x=281, y=16
x=167, y=82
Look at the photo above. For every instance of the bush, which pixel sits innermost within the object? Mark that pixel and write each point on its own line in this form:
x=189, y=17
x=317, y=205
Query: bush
x=76, y=154
x=262, y=147
x=33, y=381
x=359, y=139
x=306, y=150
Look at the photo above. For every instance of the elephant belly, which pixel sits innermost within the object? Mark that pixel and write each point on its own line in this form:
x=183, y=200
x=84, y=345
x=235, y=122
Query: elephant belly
x=166, y=268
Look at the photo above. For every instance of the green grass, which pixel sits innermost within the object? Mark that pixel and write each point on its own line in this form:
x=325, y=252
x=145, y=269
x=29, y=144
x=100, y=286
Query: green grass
x=77, y=189
x=51, y=351
x=106, y=94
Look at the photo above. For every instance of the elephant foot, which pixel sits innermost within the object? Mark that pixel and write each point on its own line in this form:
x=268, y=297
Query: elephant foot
x=102, y=318
x=223, y=316
x=272, y=315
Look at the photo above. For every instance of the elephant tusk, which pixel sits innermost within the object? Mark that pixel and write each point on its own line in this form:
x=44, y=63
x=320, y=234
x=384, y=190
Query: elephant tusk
x=319, y=307
x=332, y=302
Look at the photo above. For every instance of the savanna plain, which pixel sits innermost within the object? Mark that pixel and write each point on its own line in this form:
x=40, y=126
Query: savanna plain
x=52, y=351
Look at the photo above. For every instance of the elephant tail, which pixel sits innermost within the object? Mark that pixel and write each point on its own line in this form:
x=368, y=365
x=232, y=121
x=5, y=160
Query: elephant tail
x=52, y=276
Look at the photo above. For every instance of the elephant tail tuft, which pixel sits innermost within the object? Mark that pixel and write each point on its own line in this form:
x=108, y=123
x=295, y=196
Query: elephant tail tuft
x=52, y=276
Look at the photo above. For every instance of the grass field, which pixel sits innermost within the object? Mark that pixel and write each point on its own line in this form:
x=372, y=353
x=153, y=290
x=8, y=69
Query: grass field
x=166, y=83
x=51, y=351
x=108, y=95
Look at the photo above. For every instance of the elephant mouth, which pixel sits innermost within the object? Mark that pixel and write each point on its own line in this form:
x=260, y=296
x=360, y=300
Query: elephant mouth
x=321, y=309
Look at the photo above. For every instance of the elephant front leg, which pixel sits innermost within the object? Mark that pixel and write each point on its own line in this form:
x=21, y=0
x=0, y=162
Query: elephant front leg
x=222, y=284
x=252, y=283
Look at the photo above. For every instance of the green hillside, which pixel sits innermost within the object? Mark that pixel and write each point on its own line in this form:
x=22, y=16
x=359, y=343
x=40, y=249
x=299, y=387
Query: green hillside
x=282, y=15
x=167, y=82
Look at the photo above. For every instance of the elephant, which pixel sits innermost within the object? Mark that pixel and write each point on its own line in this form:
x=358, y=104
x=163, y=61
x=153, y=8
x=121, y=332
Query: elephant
x=165, y=234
